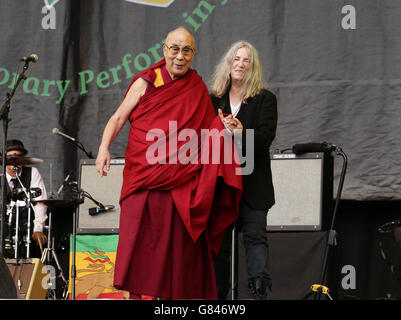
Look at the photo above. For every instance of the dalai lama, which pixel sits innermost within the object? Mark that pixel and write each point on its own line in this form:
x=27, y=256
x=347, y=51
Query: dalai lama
x=173, y=215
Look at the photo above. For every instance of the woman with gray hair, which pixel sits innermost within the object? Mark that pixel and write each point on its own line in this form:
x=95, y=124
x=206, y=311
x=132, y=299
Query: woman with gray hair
x=240, y=98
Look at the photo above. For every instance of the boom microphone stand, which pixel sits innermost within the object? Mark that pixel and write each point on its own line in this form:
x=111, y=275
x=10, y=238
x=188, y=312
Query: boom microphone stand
x=74, y=140
x=332, y=240
x=234, y=263
x=5, y=110
x=77, y=201
x=81, y=195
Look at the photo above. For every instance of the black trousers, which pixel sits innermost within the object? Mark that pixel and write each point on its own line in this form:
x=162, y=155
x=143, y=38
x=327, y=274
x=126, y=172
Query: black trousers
x=252, y=224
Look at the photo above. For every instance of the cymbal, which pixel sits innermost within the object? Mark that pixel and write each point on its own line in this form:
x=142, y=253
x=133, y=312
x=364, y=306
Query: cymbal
x=20, y=160
x=55, y=202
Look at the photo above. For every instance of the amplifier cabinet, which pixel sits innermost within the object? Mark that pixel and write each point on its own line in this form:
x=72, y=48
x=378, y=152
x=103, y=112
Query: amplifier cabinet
x=106, y=190
x=303, y=187
x=29, y=277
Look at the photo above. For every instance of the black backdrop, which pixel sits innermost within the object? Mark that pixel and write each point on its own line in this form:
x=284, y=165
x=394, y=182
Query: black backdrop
x=334, y=66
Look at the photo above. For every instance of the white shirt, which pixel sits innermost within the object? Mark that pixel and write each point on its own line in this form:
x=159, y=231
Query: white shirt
x=235, y=109
x=39, y=209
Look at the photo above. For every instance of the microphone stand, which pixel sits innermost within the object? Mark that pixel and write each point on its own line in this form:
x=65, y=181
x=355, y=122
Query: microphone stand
x=4, y=112
x=79, y=200
x=332, y=240
x=234, y=263
x=77, y=143
x=87, y=195
x=80, y=146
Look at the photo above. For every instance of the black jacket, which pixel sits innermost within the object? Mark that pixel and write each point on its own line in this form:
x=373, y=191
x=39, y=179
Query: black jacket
x=258, y=113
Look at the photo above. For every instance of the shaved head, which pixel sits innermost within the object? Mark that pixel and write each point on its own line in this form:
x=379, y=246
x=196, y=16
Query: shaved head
x=181, y=31
x=179, y=52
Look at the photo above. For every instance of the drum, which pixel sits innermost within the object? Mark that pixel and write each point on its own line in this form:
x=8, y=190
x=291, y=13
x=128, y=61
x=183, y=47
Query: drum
x=10, y=230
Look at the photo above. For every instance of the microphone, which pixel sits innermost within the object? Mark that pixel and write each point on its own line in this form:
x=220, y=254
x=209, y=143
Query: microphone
x=63, y=184
x=313, y=147
x=95, y=211
x=57, y=131
x=32, y=57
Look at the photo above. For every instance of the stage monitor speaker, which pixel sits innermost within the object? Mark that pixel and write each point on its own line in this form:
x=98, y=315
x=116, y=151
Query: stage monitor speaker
x=106, y=190
x=303, y=187
x=7, y=286
x=295, y=264
x=29, y=278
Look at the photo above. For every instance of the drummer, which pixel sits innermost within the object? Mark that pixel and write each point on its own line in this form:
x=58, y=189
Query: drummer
x=30, y=178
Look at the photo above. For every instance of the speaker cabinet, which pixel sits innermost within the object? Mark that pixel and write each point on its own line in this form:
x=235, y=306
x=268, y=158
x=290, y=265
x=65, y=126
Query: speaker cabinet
x=295, y=263
x=303, y=187
x=29, y=278
x=106, y=190
x=7, y=286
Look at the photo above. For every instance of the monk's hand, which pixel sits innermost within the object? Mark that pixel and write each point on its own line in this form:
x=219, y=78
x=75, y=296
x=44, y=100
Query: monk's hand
x=103, y=161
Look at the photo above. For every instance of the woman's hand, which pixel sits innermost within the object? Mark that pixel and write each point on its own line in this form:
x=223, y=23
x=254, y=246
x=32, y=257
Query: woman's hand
x=233, y=125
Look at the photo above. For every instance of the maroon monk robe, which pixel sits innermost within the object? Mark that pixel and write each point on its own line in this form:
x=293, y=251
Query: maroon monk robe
x=204, y=196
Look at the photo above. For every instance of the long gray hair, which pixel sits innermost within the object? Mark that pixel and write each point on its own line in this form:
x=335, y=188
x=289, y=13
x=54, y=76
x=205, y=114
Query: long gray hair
x=221, y=79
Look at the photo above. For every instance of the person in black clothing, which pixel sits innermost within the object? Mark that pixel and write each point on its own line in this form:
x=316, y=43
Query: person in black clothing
x=240, y=98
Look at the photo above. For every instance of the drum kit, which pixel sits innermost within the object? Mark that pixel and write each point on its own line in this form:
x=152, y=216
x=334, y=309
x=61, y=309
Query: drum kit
x=17, y=223
x=19, y=209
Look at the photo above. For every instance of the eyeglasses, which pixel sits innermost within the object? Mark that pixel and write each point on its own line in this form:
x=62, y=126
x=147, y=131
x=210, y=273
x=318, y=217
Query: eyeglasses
x=187, y=51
